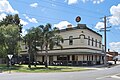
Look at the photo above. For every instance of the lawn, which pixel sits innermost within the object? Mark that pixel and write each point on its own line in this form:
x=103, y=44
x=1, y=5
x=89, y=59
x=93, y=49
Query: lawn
x=41, y=68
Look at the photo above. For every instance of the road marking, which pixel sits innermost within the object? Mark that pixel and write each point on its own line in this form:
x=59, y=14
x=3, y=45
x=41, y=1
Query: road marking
x=115, y=76
x=103, y=77
x=110, y=76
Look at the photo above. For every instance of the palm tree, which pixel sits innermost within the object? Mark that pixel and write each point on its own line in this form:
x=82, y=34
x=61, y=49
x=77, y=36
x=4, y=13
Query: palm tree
x=49, y=38
x=32, y=38
x=43, y=36
x=36, y=38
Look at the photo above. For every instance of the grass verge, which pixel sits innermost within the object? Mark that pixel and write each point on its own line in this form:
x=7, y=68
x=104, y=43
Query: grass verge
x=40, y=68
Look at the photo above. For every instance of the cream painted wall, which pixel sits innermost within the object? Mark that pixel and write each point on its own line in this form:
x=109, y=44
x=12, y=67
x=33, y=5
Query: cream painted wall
x=54, y=58
x=93, y=57
x=48, y=59
x=80, y=57
x=39, y=58
x=90, y=57
x=85, y=57
x=70, y=57
x=98, y=58
x=80, y=42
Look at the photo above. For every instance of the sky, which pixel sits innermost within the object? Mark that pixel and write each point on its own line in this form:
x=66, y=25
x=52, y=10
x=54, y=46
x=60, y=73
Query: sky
x=61, y=13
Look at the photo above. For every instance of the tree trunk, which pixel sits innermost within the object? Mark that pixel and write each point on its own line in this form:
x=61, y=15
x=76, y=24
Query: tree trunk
x=29, y=64
x=29, y=55
x=46, y=52
x=35, y=53
x=35, y=59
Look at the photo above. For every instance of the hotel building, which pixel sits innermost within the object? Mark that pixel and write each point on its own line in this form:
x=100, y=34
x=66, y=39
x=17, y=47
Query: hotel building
x=82, y=47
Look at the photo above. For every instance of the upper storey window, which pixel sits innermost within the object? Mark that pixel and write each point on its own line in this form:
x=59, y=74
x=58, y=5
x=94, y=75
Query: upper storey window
x=100, y=44
x=92, y=42
x=96, y=43
x=88, y=40
x=70, y=40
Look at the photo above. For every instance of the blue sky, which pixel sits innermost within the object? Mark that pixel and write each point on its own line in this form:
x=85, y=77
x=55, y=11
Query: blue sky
x=63, y=12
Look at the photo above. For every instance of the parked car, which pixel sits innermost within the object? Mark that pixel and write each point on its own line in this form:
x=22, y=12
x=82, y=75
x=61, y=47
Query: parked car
x=109, y=63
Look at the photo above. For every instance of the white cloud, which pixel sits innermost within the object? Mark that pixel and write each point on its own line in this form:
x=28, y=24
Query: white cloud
x=62, y=24
x=53, y=5
x=115, y=46
x=115, y=18
x=32, y=20
x=24, y=32
x=23, y=22
x=3, y=15
x=84, y=1
x=97, y=1
x=34, y=5
x=6, y=7
x=71, y=1
x=99, y=25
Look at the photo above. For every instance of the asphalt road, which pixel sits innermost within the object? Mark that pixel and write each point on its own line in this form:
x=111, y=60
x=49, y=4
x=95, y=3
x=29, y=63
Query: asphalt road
x=103, y=74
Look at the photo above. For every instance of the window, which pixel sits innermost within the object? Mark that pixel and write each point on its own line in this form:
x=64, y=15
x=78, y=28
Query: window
x=58, y=41
x=100, y=44
x=64, y=57
x=92, y=41
x=96, y=43
x=92, y=57
x=42, y=58
x=68, y=57
x=88, y=40
x=73, y=57
x=87, y=57
x=70, y=40
x=95, y=57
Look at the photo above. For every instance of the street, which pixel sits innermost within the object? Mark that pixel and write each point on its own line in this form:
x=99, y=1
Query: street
x=112, y=73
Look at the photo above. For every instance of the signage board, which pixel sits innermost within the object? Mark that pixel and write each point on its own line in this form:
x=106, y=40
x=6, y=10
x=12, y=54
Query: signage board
x=10, y=56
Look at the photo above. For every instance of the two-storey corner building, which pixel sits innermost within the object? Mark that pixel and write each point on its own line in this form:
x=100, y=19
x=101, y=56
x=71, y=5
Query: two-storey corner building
x=82, y=46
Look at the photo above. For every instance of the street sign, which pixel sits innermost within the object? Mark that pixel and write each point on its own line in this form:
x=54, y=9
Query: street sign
x=10, y=56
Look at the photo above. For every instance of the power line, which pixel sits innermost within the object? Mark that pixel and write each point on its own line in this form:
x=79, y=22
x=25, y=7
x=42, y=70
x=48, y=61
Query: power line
x=41, y=17
x=75, y=7
x=48, y=18
x=60, y=10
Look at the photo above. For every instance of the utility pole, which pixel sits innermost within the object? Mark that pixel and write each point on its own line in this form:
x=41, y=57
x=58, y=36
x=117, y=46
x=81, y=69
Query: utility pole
x=105, y=57
x=105, y=47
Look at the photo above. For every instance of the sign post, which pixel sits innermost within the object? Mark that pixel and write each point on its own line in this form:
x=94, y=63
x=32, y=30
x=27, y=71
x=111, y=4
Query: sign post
x=10, y=57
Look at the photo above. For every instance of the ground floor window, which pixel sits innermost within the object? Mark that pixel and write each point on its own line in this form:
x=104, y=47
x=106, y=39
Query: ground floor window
x=73, y=57
x=63, y=57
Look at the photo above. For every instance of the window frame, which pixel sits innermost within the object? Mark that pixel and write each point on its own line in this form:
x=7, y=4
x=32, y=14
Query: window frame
x=70, y=40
